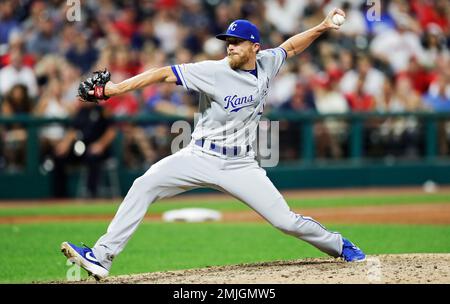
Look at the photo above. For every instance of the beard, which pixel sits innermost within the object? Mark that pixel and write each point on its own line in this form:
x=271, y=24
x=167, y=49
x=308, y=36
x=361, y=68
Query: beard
x=237, y=61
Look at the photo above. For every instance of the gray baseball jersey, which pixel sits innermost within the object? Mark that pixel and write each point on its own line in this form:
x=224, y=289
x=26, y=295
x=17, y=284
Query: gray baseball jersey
x=231, y=102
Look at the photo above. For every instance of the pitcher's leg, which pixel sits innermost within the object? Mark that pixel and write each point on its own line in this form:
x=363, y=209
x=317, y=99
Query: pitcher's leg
x=253, y=187
x=170, y=176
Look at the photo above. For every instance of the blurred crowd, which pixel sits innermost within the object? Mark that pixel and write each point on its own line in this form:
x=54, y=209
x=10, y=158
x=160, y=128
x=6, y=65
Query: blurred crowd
x=390, y=57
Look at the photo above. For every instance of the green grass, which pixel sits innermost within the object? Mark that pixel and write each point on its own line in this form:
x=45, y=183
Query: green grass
x=30, y=252
x=226, y=205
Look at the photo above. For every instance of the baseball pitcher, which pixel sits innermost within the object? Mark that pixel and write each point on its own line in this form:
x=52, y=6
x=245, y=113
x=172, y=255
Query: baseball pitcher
x=220, y=156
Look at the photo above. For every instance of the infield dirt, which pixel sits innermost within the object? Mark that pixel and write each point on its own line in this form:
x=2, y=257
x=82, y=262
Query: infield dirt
x=377, y=269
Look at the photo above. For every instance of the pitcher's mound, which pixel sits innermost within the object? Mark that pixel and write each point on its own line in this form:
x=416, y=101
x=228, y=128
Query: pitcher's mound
x=401, y=268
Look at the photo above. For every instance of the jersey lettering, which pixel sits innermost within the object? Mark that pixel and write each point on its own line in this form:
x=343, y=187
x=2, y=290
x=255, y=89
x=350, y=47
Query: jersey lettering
x=236, y=103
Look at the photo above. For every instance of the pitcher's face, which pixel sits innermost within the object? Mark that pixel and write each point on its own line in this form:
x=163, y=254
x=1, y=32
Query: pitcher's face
x=240, y=51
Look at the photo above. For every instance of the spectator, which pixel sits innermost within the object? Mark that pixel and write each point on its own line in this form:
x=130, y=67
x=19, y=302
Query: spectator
x=47, y=68
x=193, y=15
x=431, y=12
x=213, y=48
x=82, y=53
x=153, y=58
x=125, y=24
x=434, y=42
x=284, y=15
x=16, y=42
x=438, y=95
x=400, y=10
x=168, y=100
x=87, y=142
x=137, y=150
x=331, y=132
x=145, y=36
x=14, y=137
x=373, y=78
x=438, y=99
x=183, y=55
x=43, y=39
x=301, y=101
x=418, y=75
x=328, y=98
x=109, y=11
x=70, y=76
x=346, y=61
x=397, y=136
x=406, y=49
x=222, y=18
x=52, y=105
x=358, y=100
x=166, y=30
x=396, y=47
x=8, y=24
x=388, y=101
x=16, y=73
x=407, y=96
x=37, y=10
x=283, y=88
x=122, y=65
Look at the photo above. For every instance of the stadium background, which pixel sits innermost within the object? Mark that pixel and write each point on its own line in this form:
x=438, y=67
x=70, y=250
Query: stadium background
x=365, y=106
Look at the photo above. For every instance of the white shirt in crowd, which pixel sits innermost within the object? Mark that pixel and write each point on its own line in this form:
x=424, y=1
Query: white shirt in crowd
x=331, y=102
x=285, y=17
x=10, y=76
x=373, y=84
x=398, y=48
x=283, y=88
x=54, y=109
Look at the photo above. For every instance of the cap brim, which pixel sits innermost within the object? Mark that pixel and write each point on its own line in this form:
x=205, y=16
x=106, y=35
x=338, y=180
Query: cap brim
x=224, y=37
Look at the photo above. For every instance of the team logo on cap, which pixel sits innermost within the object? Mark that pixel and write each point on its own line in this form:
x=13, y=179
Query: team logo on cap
x=232, y=26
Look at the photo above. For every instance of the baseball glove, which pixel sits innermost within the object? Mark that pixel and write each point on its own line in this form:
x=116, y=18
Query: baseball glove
x=95, y=84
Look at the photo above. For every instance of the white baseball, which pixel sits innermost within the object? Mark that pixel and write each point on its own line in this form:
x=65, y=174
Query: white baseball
x=338, y=19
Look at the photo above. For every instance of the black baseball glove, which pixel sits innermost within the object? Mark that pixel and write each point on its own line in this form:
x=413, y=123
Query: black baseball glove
x=95, y=84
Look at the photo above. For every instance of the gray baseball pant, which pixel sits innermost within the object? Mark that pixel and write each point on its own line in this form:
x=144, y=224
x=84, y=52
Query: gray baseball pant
x=192, y=168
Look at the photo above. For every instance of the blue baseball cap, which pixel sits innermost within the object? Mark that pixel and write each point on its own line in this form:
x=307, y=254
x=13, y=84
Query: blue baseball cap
x=243, y=29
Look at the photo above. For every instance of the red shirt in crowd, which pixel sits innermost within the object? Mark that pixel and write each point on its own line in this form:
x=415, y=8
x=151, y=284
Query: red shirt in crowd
x=427, y=13
x=420, y=79
x=28, y=60
x=360, y=102
x=121, y=105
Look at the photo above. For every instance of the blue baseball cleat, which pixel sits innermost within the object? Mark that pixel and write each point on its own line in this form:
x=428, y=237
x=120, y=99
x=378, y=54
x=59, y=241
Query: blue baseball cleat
x=84, y=257
x=351, y=253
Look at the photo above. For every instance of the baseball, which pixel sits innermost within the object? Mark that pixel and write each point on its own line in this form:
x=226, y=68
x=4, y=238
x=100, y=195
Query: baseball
x=338, y=19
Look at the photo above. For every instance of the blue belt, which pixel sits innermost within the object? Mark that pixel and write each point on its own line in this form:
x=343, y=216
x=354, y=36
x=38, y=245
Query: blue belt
x=235, y=150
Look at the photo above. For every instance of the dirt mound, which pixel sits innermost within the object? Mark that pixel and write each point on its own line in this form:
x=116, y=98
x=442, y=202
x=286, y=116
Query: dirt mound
x=401, y=268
